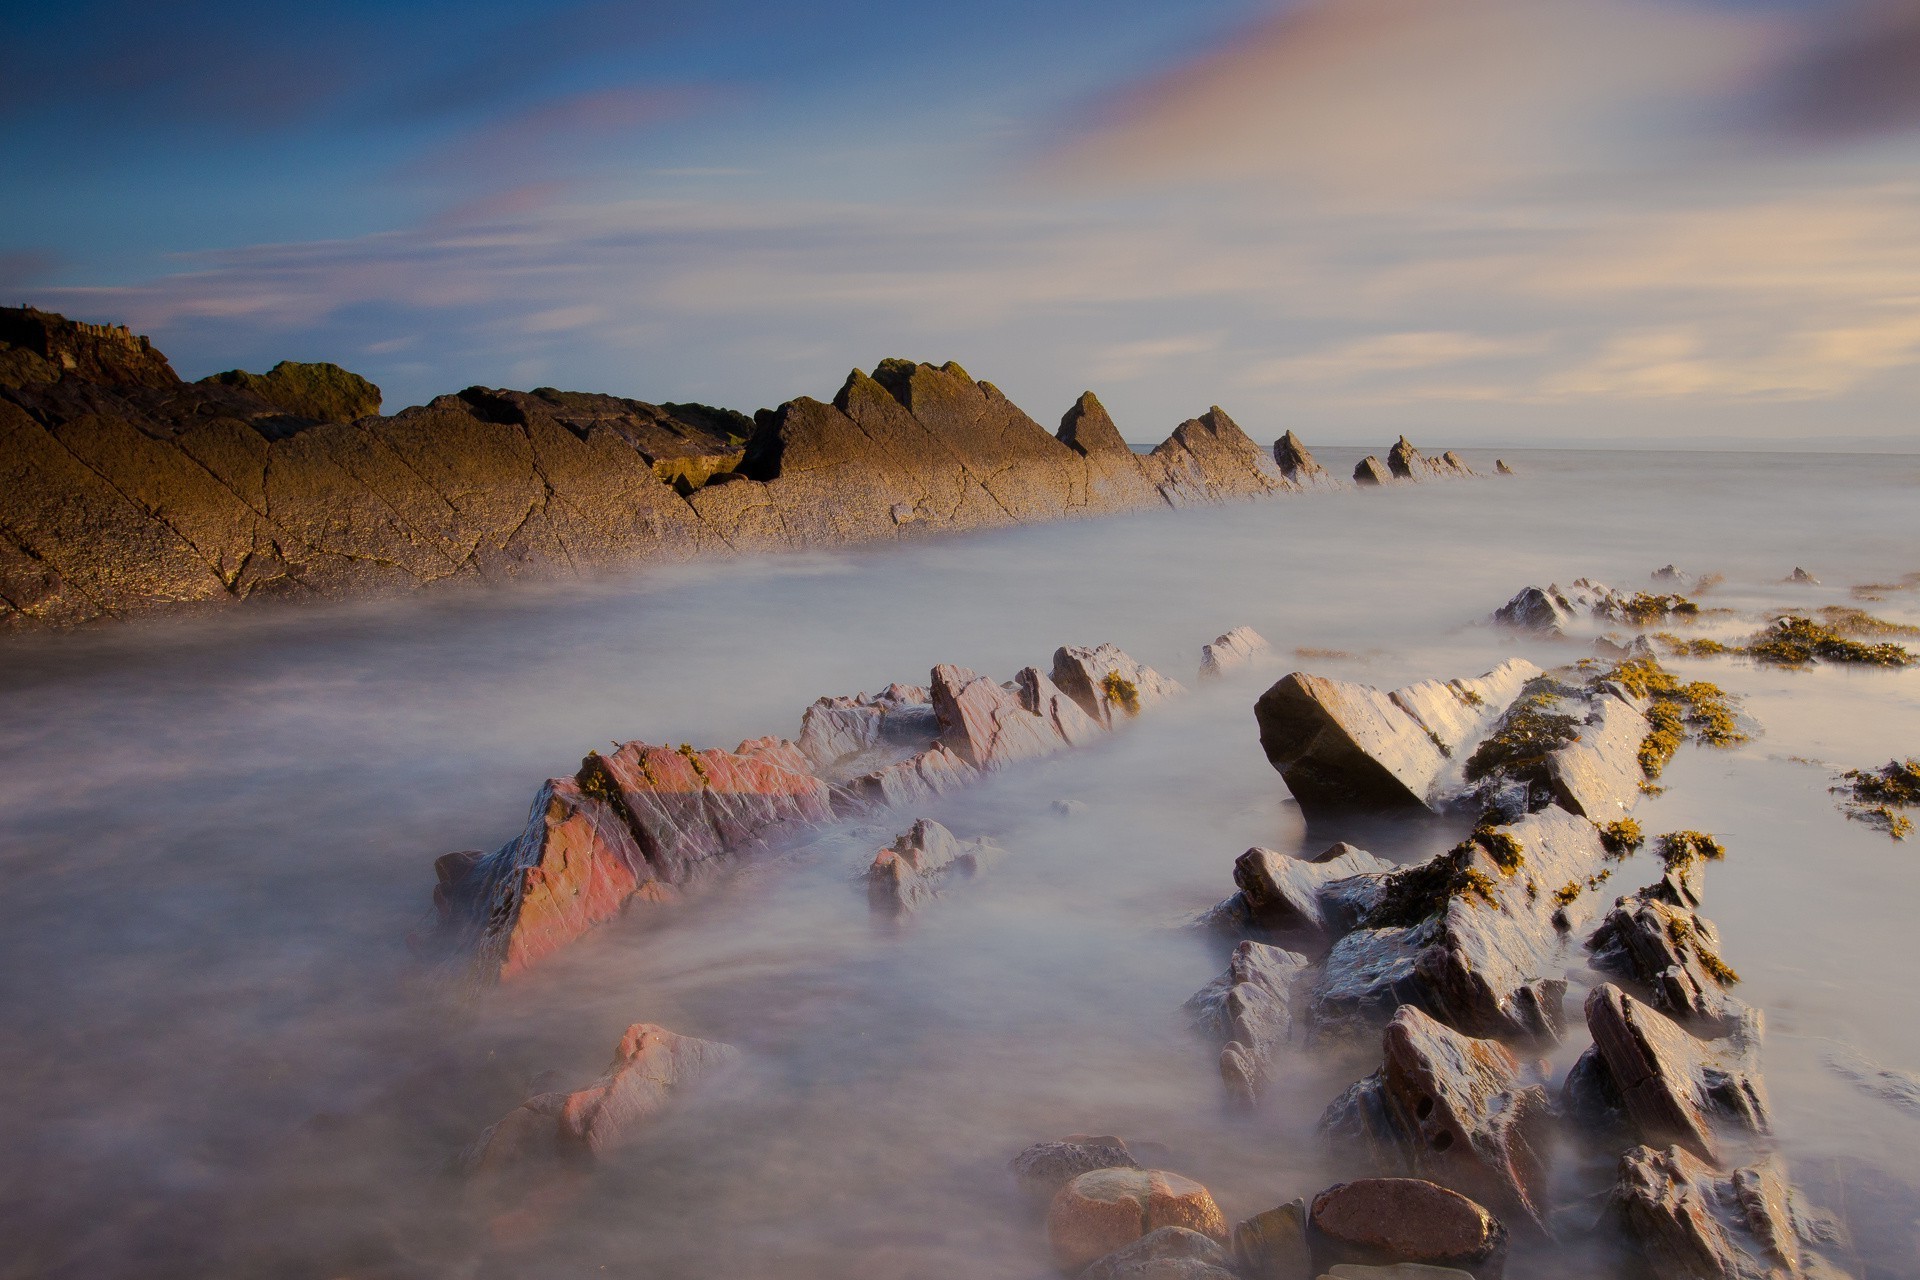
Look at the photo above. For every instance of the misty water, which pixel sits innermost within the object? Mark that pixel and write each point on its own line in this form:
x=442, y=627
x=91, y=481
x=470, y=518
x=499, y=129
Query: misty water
x=218, y=833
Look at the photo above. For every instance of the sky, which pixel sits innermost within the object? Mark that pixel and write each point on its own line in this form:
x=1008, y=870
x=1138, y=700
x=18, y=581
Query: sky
x=1472, y=221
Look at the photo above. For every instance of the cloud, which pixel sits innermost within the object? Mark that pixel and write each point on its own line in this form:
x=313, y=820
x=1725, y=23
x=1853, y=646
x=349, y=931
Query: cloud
x=1856, y=76
x=1803, y=364
x=1387, y=353
x=1124, y=361
x=1395, y=97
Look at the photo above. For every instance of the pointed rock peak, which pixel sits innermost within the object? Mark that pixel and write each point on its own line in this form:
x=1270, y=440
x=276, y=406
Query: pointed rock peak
x=1087, y=428
x=953, y=367
x=859, y=387
x=1290, y=452
x=896, y=376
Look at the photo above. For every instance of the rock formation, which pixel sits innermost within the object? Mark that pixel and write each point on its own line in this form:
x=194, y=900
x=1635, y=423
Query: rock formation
x=1045, y=1167
x=1340, y=745
x=126, y=490
x=1389, y=1220
x=650, y=1067
x=1248, y=1011
x=1691, y=1221
x=913, y=869
x=1108, y=1209
x=1370, y=472
x=1310, y=899
x=1236, y=648
x=1169, y=1253
x=1456, y=1110
x=1298, y=466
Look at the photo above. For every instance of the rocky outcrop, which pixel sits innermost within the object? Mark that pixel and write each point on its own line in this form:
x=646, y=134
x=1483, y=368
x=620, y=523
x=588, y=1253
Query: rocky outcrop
x=1390, y=1220
x=1106, y=683
x=1297, y=465
x=1501, y=468
x=641, y=821
x=316, y=392
x=1236, y=648
x=1672, y=1087
x=1690, y=1222
x=1273, y=1245
x=1477, y=937
x=1455, y=1110
x=1552, y=609
x=126, y=490
x=1342, y=745
x=651, y=1067
x=1370, y=472
x=1657, y=941
x=1108, y=1209
x=911, y=871
x=1310, y=899
x=1248, y=1011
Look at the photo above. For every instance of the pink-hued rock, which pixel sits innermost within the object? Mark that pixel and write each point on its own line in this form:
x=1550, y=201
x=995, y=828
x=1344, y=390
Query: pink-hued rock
x=916, y=780
x=650, y=1067
x=986, y=723
x=1690, y=1221
x=910, y=871
x=1387, y=1220
x=642, y=818
x=1235, y=648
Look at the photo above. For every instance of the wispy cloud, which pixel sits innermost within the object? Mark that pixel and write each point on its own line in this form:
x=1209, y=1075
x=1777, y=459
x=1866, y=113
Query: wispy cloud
x=1386, y=353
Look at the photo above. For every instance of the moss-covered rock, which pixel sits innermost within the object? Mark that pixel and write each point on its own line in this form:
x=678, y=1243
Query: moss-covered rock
x=322, y=392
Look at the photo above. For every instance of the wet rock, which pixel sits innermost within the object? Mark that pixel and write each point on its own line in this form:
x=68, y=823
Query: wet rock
x=1543, y=609
x=1236, y=648
x=1297, y=465
x=1455, y=1110
x=1576, y=746
x=1674, y=1087
x=1802, y=577
x=1107, y=1209
x=1598, y=774
x=1900, y=1088
x=1660, y=943
x=1475, y=943
x=920, y=862
x=1273, y=1245
x=1169, y=1253
x=651, y=1068
x=644, y=817
x=1342, y=745
x=1371, y=472
x=1693, y=1223
x=1106, y=683
x=986, y=724
x=1045, y=1167
x=1248, y=1011
x=1376, y=1221
x=1314, y=897
x=837, y=731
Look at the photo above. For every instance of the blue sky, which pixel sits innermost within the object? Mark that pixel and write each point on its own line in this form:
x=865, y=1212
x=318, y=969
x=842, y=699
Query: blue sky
x=1499, y=220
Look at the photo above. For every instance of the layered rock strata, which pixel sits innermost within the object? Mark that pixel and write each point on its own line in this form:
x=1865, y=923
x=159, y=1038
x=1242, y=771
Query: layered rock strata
x=125, y=490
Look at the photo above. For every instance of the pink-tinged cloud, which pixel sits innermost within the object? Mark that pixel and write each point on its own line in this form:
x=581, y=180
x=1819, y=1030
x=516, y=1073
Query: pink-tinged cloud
x=1858, y=75
x=1393, y=97
x=555, y=136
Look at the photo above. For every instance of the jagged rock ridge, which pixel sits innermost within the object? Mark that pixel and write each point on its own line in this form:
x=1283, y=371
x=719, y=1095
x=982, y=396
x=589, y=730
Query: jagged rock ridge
x=127, y=490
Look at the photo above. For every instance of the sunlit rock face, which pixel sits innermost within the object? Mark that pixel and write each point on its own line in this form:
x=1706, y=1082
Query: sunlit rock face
x=129, y=491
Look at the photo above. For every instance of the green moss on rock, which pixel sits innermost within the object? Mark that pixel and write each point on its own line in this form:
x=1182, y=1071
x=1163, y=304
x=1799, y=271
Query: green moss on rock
x=321, y=392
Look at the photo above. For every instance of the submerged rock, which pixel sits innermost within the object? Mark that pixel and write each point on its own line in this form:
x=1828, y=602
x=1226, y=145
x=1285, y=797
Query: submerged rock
x=1376, y=1221
x=1501, y=468
x=1105, y=682
x=908, y=873
x=1248, y=1011
x=1343, y=745
x=1802, y=577
x=1674, y=1087
x=1236, y=648
x=1045, y=1167
x=651, y=1067
x=1107, y=1209
x=1314, y=898
x=1168, y=1253
x=1455, y=1110
x=1691, y=1222
x=1543, y=609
